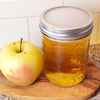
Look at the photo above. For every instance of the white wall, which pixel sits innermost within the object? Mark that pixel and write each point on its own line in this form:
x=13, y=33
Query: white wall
x=20, y=18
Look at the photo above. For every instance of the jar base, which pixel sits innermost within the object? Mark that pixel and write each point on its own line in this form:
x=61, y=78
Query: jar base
x=65, y=79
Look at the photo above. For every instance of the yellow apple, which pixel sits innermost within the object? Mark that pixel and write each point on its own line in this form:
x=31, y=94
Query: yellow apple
x=21, y=67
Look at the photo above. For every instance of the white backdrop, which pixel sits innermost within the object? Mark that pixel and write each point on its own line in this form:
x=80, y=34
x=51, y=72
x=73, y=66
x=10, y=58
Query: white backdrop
x=20, y=18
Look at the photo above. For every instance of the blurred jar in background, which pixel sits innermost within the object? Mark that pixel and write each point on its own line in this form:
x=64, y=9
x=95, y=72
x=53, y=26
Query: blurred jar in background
x=66, y=35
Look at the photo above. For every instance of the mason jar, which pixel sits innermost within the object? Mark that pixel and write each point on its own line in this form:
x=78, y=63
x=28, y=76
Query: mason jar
x=66, y=35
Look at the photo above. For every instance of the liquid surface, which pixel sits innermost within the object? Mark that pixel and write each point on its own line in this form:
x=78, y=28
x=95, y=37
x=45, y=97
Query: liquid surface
x=65, y=63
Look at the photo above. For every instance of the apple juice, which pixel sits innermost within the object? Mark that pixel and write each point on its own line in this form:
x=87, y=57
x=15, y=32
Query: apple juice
x=65, y=63
x=66, y=34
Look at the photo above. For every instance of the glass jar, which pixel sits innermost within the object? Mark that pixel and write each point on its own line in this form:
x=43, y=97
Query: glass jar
x=66, y=35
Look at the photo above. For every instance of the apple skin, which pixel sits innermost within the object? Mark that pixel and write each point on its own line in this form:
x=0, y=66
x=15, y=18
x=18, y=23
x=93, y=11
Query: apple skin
x=21, y=68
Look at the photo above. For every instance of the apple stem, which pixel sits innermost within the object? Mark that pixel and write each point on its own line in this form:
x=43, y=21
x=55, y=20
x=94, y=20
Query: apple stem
x=21, y=44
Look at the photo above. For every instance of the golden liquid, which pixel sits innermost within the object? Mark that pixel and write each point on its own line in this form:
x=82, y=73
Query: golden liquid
x=65, y=63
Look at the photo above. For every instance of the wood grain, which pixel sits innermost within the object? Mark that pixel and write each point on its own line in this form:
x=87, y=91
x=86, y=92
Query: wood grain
x=42, y=89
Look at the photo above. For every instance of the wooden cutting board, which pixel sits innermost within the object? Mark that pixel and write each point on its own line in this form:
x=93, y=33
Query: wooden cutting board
x=42, y=89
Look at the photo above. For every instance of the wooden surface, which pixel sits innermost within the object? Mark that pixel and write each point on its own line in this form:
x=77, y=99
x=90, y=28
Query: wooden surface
x=42, y=89
x=94, y=55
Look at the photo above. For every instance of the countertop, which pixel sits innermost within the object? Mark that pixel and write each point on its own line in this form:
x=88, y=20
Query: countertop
x=94, y=54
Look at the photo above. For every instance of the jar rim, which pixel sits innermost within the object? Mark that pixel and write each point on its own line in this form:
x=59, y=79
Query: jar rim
x=68, y=33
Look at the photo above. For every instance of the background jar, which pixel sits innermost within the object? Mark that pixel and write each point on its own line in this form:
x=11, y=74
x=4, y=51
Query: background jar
x=66, y=35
